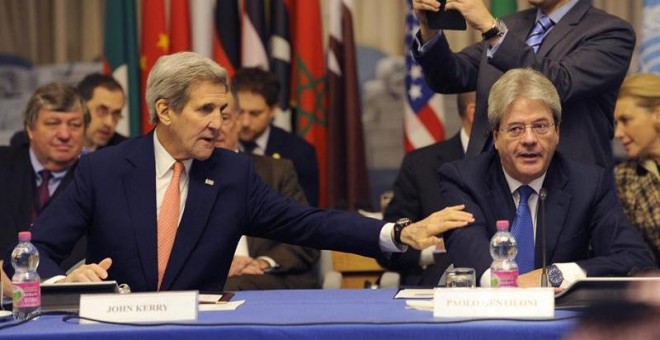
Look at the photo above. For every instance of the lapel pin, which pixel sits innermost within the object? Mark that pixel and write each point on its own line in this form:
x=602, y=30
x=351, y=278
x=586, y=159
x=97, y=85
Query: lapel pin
x=277, y=156
x=209, y=182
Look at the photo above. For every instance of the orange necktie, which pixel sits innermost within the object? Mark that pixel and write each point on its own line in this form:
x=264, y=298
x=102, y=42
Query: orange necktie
x=168, y=220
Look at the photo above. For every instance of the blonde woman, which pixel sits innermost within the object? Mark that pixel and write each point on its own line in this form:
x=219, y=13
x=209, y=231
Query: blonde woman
x=637, y=117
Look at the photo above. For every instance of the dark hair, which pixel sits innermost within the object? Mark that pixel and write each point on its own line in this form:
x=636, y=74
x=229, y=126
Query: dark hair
x=88, y=84
x=257, y=80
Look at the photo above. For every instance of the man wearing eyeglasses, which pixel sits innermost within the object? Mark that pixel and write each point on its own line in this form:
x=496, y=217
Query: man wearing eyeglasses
x=105, y=100
x=587, y=232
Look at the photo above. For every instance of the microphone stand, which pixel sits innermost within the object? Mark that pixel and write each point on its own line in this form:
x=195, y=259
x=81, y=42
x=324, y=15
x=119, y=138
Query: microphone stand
x=544, y=273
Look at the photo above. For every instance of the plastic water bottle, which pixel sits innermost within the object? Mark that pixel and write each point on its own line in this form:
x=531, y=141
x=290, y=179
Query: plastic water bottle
x=503, y=249
x=26, y=297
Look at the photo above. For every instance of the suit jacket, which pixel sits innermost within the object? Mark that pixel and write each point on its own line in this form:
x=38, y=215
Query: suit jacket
x=417, y=195
x=303, y=156
x=586, y=56
x=20, y=138
x=296, y=263
x=113, y=200
x=584, y=220
x=17, y=192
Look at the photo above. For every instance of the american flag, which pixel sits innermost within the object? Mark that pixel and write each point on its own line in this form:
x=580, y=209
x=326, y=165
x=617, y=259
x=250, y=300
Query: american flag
x=423, y=117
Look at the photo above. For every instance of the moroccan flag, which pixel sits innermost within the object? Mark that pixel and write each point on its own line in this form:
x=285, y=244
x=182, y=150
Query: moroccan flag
x=155, y=43
x=307, y=82
x=500, y=8
x=423, y=113
x=179, y=26
x=280, y=59
x=650, y=47
x=347, y=168
x=226, y=42
x=120, y=51
x=253, y=34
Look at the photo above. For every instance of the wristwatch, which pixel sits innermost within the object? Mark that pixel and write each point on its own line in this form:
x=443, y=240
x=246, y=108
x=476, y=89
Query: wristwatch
x=555, y=276
x=398, y=228
x=498, y=29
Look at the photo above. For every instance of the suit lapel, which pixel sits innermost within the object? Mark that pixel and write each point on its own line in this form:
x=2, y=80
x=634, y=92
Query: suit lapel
x=557, y=205
x=22, y=177
x=499, y=194
x=563, y=27
x=203, y=187
x=140, y=188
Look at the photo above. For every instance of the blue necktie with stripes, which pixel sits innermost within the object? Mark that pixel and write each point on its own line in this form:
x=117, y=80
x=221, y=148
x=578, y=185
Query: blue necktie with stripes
x=523, y=231
x=543, y=25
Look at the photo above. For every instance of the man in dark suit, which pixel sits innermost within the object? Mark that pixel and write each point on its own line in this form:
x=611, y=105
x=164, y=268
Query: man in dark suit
x=584, y=51
x=33, y=175
x=417, y=195
x=105, y=100
x=261, y=263
x=587, y=232
x=180, y=230
x=258, y=92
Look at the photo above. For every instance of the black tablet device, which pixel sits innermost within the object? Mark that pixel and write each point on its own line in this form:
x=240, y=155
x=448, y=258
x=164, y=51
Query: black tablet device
x=446, y=19
x=66, y=296
x=586, y=292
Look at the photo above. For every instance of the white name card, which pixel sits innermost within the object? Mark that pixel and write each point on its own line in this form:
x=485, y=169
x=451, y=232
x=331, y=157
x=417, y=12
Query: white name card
x=527, y=303
x=139, y=307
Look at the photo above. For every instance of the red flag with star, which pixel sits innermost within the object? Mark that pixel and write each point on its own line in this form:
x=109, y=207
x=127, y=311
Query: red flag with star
x=155, y=43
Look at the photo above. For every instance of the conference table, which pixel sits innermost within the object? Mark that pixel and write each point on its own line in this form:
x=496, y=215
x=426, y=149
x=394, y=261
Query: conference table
x=305, y=314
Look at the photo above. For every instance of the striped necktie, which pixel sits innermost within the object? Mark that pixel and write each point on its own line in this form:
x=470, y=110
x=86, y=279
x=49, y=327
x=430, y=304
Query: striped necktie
x=523, y=232
x=540, y=30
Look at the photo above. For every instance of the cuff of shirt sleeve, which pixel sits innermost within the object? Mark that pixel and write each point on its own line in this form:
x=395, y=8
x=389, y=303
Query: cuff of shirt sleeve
x=387, y=244
x=491, y=50
x=571, y=273
x=426, y=257
x=485, y=279
x=422, y=48
x=270, y=261
x=54, y=279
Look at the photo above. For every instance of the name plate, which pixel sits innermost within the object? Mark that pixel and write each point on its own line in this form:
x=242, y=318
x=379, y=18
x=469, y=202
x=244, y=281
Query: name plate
x=524, y=303
x=139, y=307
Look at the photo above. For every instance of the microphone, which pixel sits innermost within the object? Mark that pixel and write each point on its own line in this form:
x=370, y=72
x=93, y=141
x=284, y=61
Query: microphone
x=543, y=194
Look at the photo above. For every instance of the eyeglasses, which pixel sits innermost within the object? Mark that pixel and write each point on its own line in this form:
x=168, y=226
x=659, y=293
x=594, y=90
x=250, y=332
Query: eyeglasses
x=516, y=130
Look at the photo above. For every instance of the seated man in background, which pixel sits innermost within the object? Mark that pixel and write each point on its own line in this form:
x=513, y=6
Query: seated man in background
x=260, y=263
x=33, y=175
x=587, y=232
x=417, y=195
x=105, y=99
x=637, y=117
x=257, y=92
x=165, y=211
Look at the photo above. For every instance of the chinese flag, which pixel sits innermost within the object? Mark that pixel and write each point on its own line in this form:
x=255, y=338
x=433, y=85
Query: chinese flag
x=155, y=43
x=179, y=26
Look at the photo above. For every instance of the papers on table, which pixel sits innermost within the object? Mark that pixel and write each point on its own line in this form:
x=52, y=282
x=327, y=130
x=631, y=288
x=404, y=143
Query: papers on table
x=231, y=305
x=414, y=293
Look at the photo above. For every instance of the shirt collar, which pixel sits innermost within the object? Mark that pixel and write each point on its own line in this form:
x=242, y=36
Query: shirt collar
x=164, y=161
x=465, y=139
x=262, y=141
x=514, y=184
x=38, y=167
x=560, y=12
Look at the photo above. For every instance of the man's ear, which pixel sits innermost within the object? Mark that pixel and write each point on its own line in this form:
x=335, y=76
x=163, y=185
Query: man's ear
x=163, y=111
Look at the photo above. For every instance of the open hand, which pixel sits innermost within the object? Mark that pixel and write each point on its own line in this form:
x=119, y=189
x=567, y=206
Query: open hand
x=424, y=233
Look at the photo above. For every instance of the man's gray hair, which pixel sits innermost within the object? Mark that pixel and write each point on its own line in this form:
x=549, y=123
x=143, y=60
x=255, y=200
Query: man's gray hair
x=174, y=75
x=58, y=97
x=521, y=83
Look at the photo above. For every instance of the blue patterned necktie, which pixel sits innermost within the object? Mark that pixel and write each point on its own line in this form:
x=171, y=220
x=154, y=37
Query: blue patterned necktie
x=540, y=30
x=523, y=231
